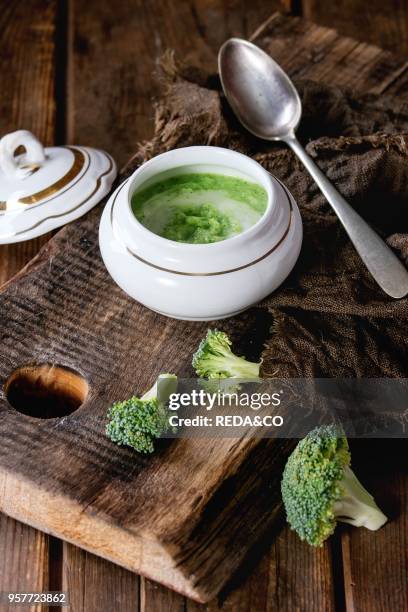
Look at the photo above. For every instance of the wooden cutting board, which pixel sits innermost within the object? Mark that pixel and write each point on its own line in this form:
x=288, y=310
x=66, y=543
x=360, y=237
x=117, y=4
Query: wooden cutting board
x=189, y=515
x=185, y=516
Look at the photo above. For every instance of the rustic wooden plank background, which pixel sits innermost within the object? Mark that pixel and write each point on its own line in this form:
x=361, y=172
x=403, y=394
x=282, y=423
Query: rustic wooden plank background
x=83, y=72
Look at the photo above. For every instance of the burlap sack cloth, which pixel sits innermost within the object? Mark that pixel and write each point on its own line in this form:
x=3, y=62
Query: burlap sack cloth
x=330, y=317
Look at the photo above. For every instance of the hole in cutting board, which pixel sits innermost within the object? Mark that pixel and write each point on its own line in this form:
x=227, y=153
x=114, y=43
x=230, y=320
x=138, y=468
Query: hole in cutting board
x=45, y=391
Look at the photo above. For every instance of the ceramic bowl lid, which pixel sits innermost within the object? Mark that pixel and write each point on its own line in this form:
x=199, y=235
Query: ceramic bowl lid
x=44, y=188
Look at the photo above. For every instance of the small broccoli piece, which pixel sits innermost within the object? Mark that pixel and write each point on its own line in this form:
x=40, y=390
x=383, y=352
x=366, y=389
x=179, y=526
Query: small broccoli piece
x=214, y=359
x=319, y=488
x=136, y=422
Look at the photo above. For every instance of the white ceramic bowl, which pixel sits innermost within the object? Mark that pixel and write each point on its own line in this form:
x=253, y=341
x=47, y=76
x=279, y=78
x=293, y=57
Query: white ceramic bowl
x=200, y=281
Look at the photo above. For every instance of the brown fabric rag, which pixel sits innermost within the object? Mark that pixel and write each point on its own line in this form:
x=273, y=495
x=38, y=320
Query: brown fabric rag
x=330, y=317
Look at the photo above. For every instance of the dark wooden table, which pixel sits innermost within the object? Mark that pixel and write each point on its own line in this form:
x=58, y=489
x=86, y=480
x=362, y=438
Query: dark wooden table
x=83, y=73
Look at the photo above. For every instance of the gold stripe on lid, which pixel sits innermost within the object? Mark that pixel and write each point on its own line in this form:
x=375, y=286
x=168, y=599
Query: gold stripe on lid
x=55, y=188
x=79, y=160
x=96, y=188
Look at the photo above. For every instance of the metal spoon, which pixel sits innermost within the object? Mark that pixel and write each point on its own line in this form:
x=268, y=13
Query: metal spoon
x=268, y=105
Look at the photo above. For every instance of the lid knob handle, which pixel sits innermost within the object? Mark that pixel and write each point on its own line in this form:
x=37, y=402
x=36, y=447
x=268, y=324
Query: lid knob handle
x=24, y=165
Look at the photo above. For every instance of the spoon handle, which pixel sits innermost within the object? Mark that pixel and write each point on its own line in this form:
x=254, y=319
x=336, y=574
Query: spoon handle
x=383, y=264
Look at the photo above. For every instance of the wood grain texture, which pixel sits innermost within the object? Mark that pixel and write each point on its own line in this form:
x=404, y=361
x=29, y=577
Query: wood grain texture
x=322, y=54
x=24, y=565
x=27, y=69
x=376, y=564
x=382, y=23
x=95, y=584
x=112, y=108
x=155, y=597
x=288, y=576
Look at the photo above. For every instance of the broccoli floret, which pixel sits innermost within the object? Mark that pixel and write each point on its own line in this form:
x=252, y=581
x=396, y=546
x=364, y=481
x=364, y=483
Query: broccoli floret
x=136, y=422
x=319, y=488
x=214, y=359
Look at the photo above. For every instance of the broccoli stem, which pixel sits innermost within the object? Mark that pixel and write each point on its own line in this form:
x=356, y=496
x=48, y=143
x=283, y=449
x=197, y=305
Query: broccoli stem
x=164, y=386
x=356, y=506
x=238, y=366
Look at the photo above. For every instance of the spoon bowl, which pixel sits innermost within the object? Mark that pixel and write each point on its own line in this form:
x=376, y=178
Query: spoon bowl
x=260, y=93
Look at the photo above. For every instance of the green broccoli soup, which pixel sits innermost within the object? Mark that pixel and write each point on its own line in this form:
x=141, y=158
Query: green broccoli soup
x=199, y=208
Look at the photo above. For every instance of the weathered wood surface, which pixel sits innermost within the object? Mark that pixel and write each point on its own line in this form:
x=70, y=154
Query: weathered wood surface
x=128, y=41
x=382, y=23
x=92, y=585
x=27, y=92
x=376, y=568
x=322, y=54
x=193, y=519
x=24, y=554
x=294, y=589
x=27, y=100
